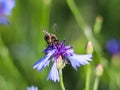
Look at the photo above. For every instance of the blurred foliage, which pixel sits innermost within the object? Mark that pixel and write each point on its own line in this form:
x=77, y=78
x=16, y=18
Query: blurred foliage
x=22, y=42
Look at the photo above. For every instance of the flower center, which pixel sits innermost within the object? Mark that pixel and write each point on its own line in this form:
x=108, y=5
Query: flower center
x=61, y=50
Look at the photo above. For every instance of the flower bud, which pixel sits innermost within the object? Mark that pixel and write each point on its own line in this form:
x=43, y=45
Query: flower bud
x=89, y=48
x=98, y=24
x=47, y=2
x=99, y=70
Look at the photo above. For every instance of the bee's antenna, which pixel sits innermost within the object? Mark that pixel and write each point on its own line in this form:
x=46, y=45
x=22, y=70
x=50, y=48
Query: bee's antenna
x=55, y=28
x=45, y=31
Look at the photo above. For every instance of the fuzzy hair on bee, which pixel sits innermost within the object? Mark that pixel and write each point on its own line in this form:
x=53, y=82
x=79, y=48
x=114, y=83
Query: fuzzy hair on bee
x=50, y=38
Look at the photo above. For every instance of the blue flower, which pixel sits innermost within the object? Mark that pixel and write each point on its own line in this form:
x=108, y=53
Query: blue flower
x=113, y=46
x=60, y=53
x=32, y=88
x=6, y=7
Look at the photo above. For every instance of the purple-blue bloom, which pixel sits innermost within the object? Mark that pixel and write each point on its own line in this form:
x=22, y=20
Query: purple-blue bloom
x=60, y=52
x=32, y=88
x=113, y=46
x=6, y=7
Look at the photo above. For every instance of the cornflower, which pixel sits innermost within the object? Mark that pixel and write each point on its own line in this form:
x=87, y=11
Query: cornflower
x=6, y=7
x=113, y=46
x=32, y=88
x=60, y=55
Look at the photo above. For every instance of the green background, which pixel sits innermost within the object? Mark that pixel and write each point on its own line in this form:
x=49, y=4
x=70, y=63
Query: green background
x=22, y=42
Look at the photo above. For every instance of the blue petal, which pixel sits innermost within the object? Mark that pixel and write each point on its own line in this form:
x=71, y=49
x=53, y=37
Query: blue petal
x=70, y=51
x=42, y=63
x=9, y=5
x=53, y=75
x=78, y=60
x=32, y=88
x=4, y=20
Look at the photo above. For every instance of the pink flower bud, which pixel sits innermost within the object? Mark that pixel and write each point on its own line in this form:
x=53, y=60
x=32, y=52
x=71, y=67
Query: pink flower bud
x=99, y=70
x=89, y=47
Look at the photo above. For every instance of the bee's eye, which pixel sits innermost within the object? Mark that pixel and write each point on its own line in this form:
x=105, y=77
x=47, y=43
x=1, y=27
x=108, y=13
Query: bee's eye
x=46, y=37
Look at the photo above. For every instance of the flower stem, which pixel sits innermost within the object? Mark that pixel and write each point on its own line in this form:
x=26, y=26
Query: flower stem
x=88, y=74
x=61, y=80
x=96, y=83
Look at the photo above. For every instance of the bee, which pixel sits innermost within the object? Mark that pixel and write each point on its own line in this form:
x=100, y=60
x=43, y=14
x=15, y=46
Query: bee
x=50, y=38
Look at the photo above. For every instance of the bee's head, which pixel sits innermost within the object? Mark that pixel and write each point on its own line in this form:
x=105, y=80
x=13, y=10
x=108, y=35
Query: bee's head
x=47, y=37
x=50, y=38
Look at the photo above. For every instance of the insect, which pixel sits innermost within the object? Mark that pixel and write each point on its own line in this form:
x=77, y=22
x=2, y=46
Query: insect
x=50, y=38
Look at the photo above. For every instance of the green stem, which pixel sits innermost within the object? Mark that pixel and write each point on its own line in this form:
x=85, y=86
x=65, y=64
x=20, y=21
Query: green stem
x=88, y=74
x=87, y=31
x=96, y=83
x=61, y=80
